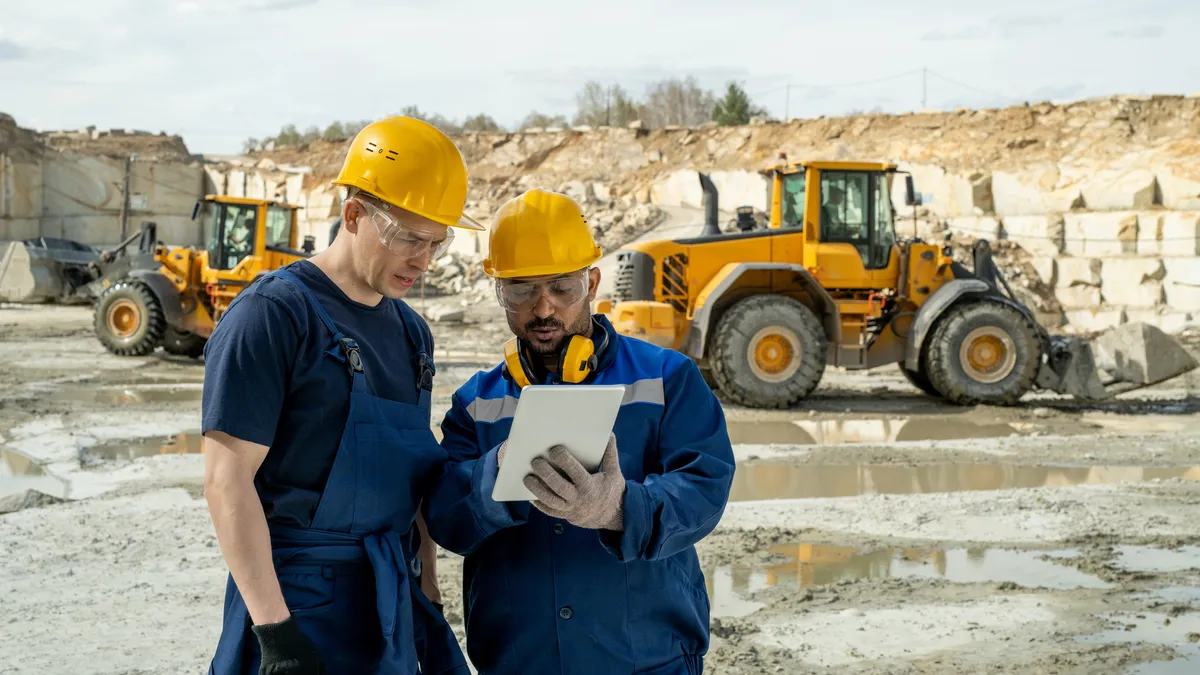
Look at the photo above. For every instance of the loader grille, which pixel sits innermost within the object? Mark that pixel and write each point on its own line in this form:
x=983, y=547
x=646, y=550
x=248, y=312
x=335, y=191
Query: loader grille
x=674, y=281
x=635, y=277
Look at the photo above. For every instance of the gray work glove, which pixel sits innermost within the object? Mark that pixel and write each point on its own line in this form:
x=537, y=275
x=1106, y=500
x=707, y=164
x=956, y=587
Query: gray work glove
x=594, y=501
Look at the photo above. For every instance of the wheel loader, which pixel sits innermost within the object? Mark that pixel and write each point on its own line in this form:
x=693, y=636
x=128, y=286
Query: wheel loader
x=174, y=296
x=764, y=311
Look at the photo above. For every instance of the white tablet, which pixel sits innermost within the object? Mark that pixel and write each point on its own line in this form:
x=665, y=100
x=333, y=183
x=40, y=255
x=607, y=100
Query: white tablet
x=578, y=416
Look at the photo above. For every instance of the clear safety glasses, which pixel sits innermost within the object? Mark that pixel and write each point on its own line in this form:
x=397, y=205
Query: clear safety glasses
x=403, y=240
x=562, y=292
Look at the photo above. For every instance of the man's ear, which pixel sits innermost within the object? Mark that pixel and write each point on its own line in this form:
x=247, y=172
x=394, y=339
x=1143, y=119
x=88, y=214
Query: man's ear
x=593, y=283
x=351, y=210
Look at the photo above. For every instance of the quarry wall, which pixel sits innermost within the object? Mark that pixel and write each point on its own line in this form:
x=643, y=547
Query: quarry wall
x=1102, y=195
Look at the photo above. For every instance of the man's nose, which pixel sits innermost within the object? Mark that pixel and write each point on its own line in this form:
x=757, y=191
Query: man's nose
x=544, y=308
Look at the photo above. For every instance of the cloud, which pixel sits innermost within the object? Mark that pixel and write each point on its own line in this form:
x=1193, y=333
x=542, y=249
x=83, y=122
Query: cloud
x=11, y=51
x=968, y=33
x=277, y=5
x=1140, y=33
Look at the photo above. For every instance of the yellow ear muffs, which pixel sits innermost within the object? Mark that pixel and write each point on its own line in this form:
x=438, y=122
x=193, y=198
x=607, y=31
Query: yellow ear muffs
x=577, y=360
x=514, y=362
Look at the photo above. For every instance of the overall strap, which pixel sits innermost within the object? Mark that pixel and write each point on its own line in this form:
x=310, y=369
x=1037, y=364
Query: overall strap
x=424, y=354
x=344, y=349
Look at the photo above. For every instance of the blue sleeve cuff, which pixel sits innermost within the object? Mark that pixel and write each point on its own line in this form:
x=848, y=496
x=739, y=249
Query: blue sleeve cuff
x=630, y=543
x=496, y=514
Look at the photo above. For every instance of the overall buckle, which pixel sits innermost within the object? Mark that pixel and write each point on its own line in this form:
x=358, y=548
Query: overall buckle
x=426, y=366
x=353, y=357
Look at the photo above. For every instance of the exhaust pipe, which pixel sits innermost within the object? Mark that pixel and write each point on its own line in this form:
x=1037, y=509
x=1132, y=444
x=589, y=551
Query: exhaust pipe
x=711, y=226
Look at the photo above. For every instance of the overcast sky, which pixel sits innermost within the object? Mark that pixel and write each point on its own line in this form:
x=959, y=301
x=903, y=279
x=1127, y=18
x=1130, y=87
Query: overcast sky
x=219, y=71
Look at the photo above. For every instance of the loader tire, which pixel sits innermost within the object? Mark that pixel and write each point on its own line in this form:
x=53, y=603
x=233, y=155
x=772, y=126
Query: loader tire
x=768, y=351
x=983, y=353
x=183, y=343
x=919, y=380
x=128, y=319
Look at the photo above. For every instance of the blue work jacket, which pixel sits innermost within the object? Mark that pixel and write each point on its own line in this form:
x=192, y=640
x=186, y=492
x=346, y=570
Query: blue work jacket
x=543, y=596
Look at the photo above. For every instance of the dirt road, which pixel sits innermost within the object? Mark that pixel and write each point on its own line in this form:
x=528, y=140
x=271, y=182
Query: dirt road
x=872, y=530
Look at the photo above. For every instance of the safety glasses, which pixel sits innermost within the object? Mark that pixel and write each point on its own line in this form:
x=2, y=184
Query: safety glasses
x=515, y=296
x=403, y=240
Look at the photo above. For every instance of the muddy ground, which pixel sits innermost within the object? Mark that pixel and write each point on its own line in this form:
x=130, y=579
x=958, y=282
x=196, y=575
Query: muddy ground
x=872, y=530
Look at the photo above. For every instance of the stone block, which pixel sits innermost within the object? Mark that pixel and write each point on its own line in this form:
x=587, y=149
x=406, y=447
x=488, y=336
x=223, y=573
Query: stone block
x=1078, y=297
x=979, y=227
x=1150, y=234
x=1094, y=320
x=1168, y=321
x=1113, y=191
x=1101, y=234
x=1039, y=235
x=1180, y=194
x=1182, y=271
x=1132, y=282
x=602, y=192
x=1182, y=297
x=947, y=195
x=680, y=188
x=235, y=183
x=1078, y=272
x=740, y=188
x=1180, y=234
x=1047, y=269
x=1029, y=193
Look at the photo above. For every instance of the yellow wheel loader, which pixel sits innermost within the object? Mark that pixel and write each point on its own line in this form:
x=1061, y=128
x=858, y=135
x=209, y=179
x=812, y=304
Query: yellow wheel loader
x=765, y=310
x=174, y=296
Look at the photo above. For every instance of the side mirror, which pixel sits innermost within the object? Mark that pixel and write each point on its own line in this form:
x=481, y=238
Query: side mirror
x=310, y=243
x=911, y=198
x=195, y=209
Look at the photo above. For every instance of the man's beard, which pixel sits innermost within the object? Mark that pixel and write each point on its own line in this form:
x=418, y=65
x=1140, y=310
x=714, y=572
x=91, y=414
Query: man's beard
x=580, y=327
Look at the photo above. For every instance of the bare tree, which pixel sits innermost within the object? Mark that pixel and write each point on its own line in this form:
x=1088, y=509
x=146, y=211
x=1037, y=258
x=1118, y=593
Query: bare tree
x=680, y=102
x=540, y=120
x=604, y=106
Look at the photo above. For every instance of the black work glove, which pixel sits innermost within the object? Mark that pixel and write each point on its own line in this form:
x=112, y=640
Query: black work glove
x=286, y=651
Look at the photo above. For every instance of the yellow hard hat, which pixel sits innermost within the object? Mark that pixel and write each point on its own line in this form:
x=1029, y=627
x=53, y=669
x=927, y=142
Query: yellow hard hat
x=539, y=233
x=413, y=165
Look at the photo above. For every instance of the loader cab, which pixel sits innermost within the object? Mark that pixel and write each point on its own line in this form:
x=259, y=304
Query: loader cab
x=232, y=235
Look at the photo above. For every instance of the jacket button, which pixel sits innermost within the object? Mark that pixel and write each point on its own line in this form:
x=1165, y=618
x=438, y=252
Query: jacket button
x=565, y=612
x=559, y=528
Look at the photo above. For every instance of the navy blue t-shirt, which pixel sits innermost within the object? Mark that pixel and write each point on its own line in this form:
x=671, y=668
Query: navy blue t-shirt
x=268, y=380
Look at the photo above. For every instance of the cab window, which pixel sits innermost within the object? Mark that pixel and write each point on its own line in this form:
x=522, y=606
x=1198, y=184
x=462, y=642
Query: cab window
x=793, y=200
x=856, y=210
x=231, y=234
x=279, y=227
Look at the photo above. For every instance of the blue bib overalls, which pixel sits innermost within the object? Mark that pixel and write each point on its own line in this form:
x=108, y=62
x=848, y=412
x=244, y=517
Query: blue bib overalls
x=347, y=578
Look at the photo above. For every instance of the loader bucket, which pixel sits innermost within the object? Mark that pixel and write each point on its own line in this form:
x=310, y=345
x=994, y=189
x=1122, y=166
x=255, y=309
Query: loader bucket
x=27, y=278
x=1129, y=357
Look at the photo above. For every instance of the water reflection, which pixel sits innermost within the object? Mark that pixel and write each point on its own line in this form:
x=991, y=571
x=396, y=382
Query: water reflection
x=837, y=432
x=774, y=480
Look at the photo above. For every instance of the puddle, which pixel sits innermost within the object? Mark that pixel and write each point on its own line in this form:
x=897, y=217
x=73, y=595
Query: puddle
x=1176, y=632
x=117, y=396
x=820, y=564
x=1155, y=559
x=837, y=432
x=774, y=480
x=185, y=443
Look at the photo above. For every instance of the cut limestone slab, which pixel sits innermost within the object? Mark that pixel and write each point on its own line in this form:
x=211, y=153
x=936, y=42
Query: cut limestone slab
x=1132, y=282
x=1170, y=322
x=1040, y=235
x=1101, y=234
x=1150, y=234
x=1046, y=268
x=1182, y=297
x=1180, y=234
x=1078, y=297
x=980, y=227
x=1182, y=271
x=1094, y=320
x=1136, y=189
x=1078, y=271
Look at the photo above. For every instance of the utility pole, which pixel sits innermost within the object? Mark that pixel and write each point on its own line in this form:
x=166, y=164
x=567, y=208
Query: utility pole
x=924, y=89
x=787, y=102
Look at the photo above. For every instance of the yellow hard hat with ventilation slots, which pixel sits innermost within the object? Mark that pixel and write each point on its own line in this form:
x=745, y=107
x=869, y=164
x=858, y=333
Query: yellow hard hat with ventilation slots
x=413, y=165
x=537, y=234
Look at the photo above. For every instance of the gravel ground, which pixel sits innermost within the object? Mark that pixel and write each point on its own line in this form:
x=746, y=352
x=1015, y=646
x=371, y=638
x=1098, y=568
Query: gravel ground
x=875, y=530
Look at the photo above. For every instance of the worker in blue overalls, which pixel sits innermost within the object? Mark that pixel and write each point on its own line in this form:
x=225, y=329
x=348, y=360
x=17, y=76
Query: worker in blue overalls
x=599, y=575
x=318, y=448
